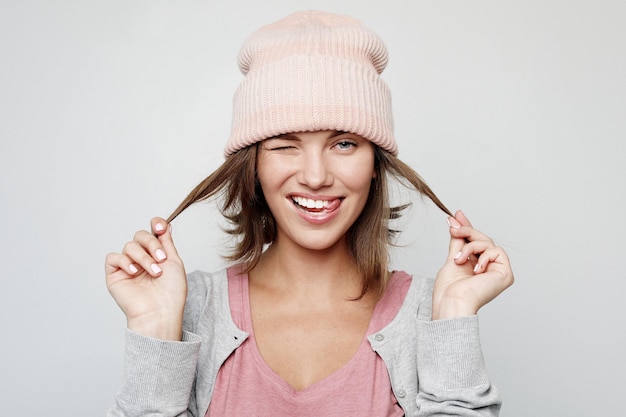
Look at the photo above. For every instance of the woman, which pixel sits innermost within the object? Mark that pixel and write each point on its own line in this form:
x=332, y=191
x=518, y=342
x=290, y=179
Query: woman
x=308, y=320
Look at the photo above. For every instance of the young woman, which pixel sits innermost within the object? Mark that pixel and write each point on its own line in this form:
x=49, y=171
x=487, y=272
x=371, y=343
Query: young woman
x=308, y=320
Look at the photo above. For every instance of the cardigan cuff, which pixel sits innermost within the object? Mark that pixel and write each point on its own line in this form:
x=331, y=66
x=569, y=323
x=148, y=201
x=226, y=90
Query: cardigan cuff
x=159, y=373
x=449, y=355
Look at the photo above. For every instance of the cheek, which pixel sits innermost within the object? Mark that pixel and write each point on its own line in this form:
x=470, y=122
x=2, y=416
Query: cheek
x=272, y=177
x=267, y=173
x=358, y=176
x=361, y=184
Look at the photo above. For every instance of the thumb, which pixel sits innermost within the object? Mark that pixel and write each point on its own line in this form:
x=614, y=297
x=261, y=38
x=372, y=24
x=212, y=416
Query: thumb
x=456, y=243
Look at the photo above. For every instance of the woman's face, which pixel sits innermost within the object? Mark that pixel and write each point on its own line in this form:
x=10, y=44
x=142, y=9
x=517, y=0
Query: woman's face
x=316, y=184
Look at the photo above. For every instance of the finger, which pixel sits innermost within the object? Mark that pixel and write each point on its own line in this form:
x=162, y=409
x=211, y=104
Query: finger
x=495, y=260
x=167, y=242
x=456, y=243
x=163, y=231
x=469, y=234
x=477, y=248
x=139, y=256
x=158, y=225
x=462, y=219
x=116, y=261
x=151, y=244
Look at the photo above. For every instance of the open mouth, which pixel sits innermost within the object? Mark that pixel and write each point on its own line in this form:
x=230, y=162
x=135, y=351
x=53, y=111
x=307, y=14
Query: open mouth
x=315, y=206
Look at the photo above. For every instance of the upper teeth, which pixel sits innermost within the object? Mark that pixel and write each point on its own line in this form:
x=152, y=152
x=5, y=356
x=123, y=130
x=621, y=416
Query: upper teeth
x=308, y=203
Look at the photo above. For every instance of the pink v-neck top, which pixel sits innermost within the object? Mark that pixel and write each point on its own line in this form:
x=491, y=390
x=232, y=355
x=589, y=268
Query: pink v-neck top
x=246, y=385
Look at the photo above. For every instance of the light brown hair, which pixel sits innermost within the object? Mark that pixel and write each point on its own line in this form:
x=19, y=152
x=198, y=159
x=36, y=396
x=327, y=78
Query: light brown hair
x=242, y=203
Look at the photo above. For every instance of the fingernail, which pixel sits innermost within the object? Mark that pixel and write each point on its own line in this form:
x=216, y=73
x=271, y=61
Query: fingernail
x=477, y=268
x=155, y=268
x=158, y=227
x=160, y=255
x=133, y=268
x=457, y=256
x=454, y=226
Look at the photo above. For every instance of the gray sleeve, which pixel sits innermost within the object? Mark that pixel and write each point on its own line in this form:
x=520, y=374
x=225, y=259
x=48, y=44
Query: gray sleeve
x=451, y=370
x=158, y=376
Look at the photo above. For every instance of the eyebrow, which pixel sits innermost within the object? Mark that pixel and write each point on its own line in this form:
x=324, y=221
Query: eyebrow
x=293, y=136
x=285, y=136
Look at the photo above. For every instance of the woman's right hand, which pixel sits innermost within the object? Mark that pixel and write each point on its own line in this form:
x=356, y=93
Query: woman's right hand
x=148, y=282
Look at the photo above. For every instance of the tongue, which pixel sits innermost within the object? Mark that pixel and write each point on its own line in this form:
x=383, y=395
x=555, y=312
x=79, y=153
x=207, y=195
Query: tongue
x=333, y=205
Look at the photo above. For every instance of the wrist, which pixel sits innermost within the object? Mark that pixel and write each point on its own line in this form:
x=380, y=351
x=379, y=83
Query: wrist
x=451, y=309
x=163, y=328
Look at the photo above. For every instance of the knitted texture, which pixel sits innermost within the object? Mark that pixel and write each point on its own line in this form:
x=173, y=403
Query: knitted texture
x=312, y=71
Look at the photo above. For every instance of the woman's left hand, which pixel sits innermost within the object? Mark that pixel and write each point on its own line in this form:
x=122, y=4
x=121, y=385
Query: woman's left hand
x=476, y=271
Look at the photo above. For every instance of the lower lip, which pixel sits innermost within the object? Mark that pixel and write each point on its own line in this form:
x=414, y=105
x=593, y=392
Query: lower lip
x=318, y=217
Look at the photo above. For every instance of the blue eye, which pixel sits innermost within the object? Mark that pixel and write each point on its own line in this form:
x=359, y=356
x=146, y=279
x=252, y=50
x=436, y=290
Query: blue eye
x=345, y=144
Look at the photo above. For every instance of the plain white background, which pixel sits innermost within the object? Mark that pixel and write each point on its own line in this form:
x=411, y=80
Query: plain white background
x=111, y=111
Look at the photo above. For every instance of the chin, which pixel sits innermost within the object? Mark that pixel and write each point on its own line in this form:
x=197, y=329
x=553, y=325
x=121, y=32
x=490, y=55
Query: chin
x=322, y=244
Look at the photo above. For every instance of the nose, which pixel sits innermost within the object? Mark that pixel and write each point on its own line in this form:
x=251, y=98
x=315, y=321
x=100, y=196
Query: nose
x=315, y=171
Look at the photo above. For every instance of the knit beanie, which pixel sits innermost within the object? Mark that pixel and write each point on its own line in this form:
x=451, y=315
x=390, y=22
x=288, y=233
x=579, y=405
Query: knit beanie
x=308, y=72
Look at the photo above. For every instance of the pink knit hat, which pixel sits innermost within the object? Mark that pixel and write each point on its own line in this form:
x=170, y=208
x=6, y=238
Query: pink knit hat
x=312, y=71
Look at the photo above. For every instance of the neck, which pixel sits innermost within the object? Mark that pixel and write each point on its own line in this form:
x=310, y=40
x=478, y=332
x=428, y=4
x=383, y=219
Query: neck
x=310, y=274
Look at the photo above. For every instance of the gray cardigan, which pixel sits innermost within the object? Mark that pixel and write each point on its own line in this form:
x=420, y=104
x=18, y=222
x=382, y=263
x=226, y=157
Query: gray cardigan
x=164, y=378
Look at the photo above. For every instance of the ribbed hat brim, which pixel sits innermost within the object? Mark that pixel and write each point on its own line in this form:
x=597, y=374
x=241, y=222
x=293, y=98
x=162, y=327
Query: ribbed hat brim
x=305, y=93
